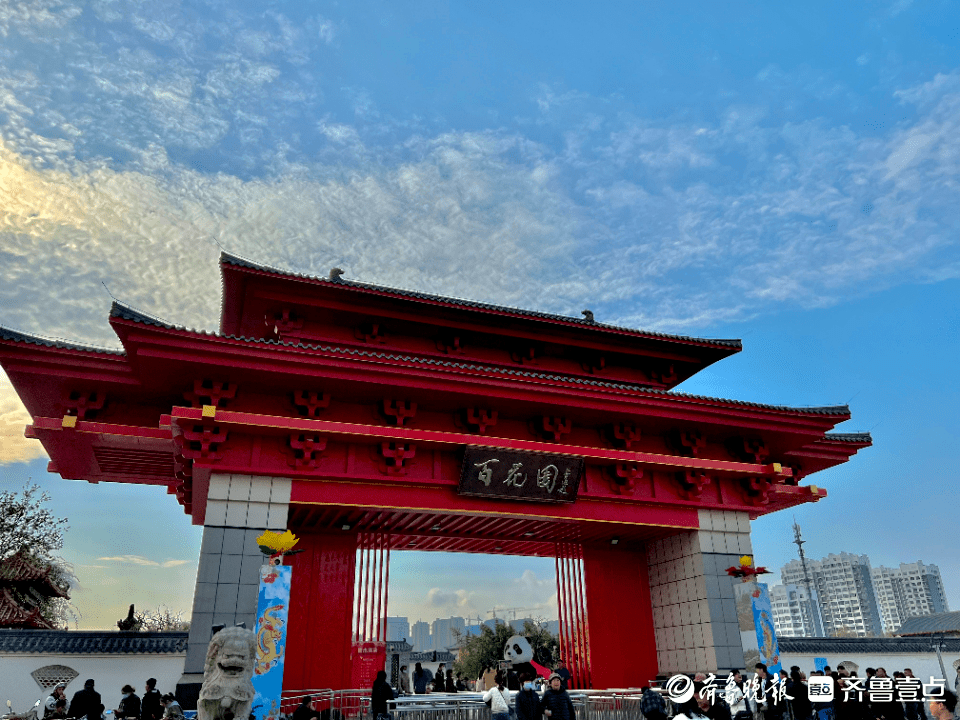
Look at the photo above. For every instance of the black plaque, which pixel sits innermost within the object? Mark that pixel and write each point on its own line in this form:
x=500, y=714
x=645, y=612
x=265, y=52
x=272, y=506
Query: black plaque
x=517, y=475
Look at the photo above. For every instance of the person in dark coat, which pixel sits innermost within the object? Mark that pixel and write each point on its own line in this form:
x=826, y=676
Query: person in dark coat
x=449, y=685
x=305, y=710
x=380, y=694
x=527, y=702
x=150, y=707
x=420, y=679
x=129, y=703
x=801, y=705
x=86, y=703
x=556, y=703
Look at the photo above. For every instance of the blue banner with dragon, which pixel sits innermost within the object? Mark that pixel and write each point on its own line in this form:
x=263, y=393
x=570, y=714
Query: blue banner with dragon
x=272, y=608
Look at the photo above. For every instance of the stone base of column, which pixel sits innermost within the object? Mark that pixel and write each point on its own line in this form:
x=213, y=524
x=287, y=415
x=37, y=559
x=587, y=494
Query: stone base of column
x=239, y=509
x=694, y=608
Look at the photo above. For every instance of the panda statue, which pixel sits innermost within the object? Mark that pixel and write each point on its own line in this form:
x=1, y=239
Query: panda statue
x=519, y=654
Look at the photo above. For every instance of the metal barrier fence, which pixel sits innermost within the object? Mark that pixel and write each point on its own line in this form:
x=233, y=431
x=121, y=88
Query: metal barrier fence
x=355, y=705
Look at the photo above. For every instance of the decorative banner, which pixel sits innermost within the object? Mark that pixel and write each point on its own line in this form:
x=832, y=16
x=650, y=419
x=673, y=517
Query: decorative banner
x=516, y=475
x=272, y=607
x=763, y=624
x=819, y=663
x=367, y=659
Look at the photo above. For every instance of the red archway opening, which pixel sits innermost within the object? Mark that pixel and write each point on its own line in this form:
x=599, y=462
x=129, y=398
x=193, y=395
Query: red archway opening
x=339, y=595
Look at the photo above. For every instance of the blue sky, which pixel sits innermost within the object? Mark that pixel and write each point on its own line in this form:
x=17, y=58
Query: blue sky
x=785, y=175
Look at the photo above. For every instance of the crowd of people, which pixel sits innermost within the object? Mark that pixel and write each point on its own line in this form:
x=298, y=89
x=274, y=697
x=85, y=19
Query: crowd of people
x=527, y=702
x=837, y=695
x=446, y=681
x=87, y=703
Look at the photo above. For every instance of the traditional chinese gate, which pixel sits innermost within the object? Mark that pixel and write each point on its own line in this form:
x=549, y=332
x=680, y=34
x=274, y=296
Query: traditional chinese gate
x=364, y=417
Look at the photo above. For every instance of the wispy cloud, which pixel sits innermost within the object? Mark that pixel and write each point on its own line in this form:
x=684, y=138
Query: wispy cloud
x=14, y=447
x=664, y=223
x=142, y=561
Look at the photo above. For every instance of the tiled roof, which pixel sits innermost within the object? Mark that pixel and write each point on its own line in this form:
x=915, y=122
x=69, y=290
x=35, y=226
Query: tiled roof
x=125, y=312
x=427, y=656
x=930, y=624
x=17, y=336
x=473, y=304
x=849, y=437
x=14, y=615
x=86, y=642
x=19, y=569
x=864, y=646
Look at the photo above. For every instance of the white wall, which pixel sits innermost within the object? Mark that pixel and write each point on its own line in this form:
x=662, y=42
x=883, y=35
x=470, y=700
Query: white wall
x=924, y=665
x=109, y=672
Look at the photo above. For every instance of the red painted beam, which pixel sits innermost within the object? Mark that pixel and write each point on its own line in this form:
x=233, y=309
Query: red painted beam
x=273, y=424
x=445, y=499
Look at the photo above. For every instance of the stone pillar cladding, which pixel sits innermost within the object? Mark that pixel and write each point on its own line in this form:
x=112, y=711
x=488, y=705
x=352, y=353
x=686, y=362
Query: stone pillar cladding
x=239, y=508
x=694, y=609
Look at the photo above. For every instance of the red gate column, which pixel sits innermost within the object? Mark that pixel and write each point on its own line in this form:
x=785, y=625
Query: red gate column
x=623, y=651
x=321, y=612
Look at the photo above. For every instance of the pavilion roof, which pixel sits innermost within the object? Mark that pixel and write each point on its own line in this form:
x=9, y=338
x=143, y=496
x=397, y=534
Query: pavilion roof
x=383, y=290
x=19, y=569
x=13, y=614
x=125, y=312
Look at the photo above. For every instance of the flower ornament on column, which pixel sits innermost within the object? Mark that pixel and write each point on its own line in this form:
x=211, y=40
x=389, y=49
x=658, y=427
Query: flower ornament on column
x=746, y=571
x=275, y=545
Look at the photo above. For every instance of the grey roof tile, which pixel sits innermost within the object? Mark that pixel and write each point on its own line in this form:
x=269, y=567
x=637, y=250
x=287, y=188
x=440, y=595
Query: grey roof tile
x=22, y=337
x=127, y=313
x=858, y=645
x=474, y=304
x=929, y=624
x=80, y=642
x=849, y=437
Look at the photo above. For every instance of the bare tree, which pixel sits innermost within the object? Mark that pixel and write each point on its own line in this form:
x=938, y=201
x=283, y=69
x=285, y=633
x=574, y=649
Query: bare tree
x=163, y=619
x=26, y=525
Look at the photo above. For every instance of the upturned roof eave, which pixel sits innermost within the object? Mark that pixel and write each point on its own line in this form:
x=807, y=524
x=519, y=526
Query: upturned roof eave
x=122, y=314
x=721, y=347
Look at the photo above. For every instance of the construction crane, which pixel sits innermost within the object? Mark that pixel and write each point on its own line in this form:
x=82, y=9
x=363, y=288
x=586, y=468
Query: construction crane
x=514, y=611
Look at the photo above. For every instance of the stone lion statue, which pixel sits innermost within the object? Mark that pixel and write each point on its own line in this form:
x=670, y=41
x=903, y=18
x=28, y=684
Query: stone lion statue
x=227, y=675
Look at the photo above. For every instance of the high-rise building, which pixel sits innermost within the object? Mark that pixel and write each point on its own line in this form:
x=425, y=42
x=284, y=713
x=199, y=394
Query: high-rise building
x=443, y=631
x=912, y=589
x=398, y=628
x=795, y=613
x=844, y=589
x=420, y=636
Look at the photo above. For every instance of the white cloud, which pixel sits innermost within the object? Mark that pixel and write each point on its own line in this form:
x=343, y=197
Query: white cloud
x=448, y=599
x=326, y=30
x=142, y=561
x=14, y=447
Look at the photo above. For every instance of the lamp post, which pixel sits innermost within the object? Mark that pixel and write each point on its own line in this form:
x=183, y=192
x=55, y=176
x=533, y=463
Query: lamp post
x=938, y=646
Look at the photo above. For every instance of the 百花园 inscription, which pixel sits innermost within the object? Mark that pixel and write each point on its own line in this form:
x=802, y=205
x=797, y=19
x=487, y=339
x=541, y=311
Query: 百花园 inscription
x=516, y=475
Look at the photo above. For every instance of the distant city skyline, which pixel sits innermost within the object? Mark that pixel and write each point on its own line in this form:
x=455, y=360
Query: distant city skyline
x=439, y=634
x=847, y=594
